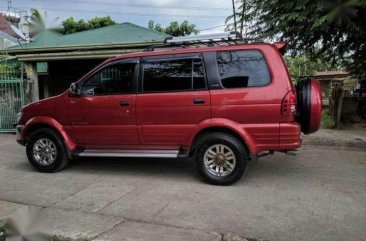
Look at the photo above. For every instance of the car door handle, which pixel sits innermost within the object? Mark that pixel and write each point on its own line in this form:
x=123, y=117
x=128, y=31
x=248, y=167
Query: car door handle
x=199, y=101
x=124, y=103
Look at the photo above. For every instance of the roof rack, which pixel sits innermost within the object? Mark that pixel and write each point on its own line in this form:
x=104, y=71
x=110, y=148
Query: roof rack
x=205, y=39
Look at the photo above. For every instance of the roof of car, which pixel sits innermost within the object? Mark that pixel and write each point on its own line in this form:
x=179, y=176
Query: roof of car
x=192, y=49
x=180, y=50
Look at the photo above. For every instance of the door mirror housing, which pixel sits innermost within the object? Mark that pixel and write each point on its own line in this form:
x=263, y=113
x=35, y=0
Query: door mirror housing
x=74, y=90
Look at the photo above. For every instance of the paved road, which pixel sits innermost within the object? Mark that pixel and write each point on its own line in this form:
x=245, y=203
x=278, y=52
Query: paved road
x=318, y=195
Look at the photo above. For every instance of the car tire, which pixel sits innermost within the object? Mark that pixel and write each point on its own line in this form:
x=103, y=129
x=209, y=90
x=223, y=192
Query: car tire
x=46, y=151
x=221, y=159
x=309, y=105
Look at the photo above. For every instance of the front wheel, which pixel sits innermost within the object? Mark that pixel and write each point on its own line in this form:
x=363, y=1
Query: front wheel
x=46, y=151
x=221, y=159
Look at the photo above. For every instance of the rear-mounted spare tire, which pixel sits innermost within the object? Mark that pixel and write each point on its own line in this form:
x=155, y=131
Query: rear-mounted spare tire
x=309, y=105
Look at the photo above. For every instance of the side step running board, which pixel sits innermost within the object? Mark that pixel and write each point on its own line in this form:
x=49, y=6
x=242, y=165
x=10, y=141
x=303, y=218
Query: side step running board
x=131, y=153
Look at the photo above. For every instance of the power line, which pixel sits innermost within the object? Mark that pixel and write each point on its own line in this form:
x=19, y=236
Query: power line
x=138, y=14
x=138, y=5
x=135, y=13
x=205, y=29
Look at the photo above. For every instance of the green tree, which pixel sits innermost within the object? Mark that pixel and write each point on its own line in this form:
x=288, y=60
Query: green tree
x=241, y=14
x=301, y=65
x=174, y=28
x=330, y=29
x=72, y=26
x=155, y=26
x=37, y=22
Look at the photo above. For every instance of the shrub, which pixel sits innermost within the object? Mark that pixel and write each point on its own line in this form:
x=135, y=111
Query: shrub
x=327, y=121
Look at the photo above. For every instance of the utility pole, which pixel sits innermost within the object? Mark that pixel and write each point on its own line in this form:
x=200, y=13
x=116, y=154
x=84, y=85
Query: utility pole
x=9, y=5
x=234, y=14
x=242, y=25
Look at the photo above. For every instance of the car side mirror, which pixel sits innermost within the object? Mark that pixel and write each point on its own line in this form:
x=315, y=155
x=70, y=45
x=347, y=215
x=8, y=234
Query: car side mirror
x=74, y=90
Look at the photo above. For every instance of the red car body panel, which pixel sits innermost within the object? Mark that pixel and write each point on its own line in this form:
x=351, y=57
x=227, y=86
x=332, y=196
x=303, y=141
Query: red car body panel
x=49, y=122
x=96, y=120
x=289, y=136
x=316, y=106
x=52, y=112
x=171, y=120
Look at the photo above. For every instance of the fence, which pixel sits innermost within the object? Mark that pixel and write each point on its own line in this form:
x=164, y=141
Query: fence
x=11, y=98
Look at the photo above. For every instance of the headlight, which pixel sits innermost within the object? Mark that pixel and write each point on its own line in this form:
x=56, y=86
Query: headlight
x=19, y=116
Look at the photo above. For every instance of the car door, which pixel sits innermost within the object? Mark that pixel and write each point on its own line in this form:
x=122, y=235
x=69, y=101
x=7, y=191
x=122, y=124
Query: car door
x=104, y=115
x=173, y=99
x=248, y=94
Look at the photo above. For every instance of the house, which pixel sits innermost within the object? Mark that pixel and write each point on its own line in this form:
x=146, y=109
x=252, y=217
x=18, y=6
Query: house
x=329, y=79
x=53, y=61
x=351, y=102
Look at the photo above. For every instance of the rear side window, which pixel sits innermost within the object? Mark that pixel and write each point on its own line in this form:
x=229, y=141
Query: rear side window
x=238, y=69
x=173, y=75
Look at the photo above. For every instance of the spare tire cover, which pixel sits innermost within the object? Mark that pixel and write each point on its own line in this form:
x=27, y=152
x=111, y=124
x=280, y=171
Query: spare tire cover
x=309, y=105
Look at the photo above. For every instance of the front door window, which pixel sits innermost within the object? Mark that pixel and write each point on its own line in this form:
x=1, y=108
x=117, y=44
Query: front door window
x=113, y=79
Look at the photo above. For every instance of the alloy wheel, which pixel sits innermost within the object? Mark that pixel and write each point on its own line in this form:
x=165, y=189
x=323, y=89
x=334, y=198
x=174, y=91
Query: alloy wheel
x=219, y=160
x=44, y=151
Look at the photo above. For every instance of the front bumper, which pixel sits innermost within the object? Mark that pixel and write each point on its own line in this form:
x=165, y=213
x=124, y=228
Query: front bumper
x=19, y=137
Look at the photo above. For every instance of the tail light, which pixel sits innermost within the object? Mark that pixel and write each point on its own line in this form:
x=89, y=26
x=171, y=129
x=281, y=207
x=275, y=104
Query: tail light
x=288, y=106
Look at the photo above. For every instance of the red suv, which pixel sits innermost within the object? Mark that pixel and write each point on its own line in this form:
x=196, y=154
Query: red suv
x=221, y=104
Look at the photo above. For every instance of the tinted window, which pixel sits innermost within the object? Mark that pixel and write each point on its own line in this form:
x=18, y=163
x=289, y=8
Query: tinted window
x=113, y=79
x=239, y=69
x=173, y=75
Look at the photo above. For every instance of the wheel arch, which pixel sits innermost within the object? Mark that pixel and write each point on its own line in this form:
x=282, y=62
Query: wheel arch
x=45, y=122
x=240, y=135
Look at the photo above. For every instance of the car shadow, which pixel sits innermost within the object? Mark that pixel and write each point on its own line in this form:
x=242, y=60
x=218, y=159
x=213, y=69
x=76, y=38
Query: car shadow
x=134, y=166
x=273, y=167
x=278, y=167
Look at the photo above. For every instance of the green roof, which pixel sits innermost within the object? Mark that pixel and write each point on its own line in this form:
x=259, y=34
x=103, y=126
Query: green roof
x=117, y=34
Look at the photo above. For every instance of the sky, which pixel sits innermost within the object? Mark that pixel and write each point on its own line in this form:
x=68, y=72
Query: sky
x=207, y=15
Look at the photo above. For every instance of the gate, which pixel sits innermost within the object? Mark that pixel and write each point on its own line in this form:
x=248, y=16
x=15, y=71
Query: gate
x=11, y=98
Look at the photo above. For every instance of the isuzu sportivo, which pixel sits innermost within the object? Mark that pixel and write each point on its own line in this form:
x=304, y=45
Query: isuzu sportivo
x=217, y=99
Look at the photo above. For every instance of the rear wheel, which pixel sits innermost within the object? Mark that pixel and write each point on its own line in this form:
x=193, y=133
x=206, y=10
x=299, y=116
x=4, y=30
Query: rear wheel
x=221, y=159
x=46, y=151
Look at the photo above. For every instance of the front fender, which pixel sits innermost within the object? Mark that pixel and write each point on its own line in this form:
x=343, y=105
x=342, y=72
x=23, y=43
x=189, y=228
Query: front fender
x=54, y=124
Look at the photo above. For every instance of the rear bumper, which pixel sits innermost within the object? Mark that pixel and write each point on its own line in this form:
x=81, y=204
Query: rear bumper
x=290, y=136
x=19, y=137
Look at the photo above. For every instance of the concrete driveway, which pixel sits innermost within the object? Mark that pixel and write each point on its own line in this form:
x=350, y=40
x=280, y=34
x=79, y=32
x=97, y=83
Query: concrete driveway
x=318, y=195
